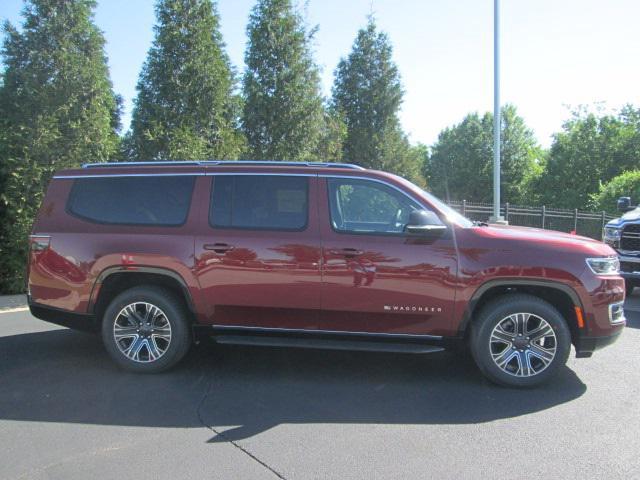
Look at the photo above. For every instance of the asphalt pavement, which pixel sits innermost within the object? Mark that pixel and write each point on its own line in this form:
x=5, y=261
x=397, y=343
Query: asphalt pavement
x=66, y=412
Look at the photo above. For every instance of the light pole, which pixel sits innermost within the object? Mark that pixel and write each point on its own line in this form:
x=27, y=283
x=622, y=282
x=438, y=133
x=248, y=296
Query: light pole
x=496, y=217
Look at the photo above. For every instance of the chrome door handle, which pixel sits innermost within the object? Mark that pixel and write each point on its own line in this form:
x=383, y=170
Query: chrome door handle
x=347, y=252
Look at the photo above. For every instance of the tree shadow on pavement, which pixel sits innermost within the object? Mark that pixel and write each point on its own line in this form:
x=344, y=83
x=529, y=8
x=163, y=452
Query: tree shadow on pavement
x=238, y=392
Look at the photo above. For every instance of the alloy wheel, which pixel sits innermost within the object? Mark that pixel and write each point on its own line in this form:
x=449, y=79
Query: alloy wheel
x=523, y=344
x=142, y=332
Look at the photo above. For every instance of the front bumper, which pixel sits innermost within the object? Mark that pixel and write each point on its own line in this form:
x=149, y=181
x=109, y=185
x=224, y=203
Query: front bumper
x=585, y=346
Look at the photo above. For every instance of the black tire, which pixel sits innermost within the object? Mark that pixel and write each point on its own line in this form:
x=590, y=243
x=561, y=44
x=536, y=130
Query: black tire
x=172, y=312
x=513, y=374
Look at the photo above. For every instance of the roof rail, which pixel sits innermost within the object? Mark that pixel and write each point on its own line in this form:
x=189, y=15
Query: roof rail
x=275, y=163
x=140, y=164
x=231, y=163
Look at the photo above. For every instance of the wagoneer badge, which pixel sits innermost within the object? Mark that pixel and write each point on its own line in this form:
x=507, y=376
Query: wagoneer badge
x=411, y=308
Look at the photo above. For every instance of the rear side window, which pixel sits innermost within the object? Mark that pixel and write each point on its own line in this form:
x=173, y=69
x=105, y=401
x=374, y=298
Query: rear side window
x=152, y=200
x=259, y=202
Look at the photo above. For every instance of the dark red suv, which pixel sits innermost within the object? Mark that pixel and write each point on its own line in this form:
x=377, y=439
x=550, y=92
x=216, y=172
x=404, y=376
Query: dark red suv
x=310, y=255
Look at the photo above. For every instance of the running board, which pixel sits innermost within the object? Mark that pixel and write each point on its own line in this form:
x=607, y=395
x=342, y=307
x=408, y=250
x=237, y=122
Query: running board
x=326, y=344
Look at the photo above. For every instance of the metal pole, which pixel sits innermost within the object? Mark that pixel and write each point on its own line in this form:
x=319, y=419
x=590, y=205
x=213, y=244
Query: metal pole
x=496, y=112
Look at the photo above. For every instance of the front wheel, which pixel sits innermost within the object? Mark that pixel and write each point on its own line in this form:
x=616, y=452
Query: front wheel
x=145, y=329
x=520, y=340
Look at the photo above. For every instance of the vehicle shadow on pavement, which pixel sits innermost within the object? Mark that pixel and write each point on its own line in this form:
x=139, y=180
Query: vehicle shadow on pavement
x=238, y=392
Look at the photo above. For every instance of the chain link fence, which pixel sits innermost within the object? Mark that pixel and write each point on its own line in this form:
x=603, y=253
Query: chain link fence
x=589, y=224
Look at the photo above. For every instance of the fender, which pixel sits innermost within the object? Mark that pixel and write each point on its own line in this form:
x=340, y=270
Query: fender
x=482, y=289
x=95, y=290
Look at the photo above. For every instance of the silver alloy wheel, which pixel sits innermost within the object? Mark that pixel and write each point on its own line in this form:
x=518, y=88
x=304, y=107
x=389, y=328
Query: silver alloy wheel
x=523, y=344
x=142, y=332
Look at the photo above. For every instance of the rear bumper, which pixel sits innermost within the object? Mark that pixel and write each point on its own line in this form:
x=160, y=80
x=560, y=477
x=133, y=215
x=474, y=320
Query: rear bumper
x=585, y=346
x=76, y=321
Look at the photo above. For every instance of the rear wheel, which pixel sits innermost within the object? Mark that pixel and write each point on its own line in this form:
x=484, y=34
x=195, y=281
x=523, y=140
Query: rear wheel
x=145, y=329
x=520, y=340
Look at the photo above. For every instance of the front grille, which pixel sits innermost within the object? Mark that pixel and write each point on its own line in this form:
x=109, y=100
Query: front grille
x=632, y=228
x=629, y=267
x=630, y=238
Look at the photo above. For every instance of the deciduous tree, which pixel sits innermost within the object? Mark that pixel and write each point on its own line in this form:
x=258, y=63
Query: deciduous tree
x=461, y=163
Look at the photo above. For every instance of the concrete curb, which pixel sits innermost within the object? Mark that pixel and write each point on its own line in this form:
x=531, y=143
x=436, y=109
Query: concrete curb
x=13, y=303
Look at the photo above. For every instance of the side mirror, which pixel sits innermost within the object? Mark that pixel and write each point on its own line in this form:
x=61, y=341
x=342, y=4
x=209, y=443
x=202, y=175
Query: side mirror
x=423, y=222
x=624, y=204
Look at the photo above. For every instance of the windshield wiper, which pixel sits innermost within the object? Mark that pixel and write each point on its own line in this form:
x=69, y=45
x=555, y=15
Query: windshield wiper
x=476, y=223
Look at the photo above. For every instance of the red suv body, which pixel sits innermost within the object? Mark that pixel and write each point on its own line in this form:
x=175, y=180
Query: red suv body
x=315, y=255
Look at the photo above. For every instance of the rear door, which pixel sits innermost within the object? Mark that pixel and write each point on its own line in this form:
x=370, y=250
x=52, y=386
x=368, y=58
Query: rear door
x=258, y=256
x=376, y=278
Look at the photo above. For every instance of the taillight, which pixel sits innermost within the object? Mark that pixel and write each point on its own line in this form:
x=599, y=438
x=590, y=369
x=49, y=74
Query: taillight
x=38, y=243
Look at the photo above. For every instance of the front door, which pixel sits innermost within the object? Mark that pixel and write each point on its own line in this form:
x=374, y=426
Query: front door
x=376, y=278
x=258, y=259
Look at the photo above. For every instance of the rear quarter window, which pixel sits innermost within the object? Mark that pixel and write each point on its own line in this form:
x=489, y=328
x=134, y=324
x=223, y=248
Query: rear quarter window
x=152, y=200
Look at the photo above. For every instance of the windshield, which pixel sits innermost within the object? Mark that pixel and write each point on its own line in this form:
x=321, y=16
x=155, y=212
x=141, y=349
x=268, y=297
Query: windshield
x=451, y=214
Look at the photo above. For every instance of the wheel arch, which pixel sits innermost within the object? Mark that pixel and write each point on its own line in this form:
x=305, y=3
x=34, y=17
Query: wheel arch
x=114, y=280
x=560, y=295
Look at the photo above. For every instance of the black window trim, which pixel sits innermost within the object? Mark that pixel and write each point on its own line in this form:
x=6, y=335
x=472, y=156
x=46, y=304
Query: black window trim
x=375, y=180
x=70, y=212
x=258, y=174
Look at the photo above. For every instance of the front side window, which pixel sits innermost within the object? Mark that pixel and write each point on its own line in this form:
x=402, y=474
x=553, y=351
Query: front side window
x=144, y=200
x=363, y=206
x=259, y=202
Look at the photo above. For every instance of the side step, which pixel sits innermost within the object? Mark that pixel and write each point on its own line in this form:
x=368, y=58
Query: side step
x=326, y=344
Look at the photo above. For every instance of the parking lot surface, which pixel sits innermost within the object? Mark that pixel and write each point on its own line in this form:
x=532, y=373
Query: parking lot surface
x=66, y=412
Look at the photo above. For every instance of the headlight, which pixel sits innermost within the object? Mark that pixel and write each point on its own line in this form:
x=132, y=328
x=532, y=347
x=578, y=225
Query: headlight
x=604, y=265
x=612, y=233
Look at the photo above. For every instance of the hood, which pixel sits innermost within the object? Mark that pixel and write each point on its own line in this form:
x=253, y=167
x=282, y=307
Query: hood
x=630, y=216
x=550, y=238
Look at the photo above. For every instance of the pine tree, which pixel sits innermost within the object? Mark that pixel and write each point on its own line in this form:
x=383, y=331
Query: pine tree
x=283, y=113
x=57, y=110
x=186, y=106
x=368, y=93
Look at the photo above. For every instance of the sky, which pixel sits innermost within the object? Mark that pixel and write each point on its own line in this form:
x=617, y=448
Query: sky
x=556, y=54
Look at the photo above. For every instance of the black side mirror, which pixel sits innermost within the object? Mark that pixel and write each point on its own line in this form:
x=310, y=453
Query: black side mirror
x=624, y=204
x=423, y=222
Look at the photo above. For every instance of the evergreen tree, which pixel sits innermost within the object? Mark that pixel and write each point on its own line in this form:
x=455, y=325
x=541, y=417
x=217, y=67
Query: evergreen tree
x=332, y=136
x=57, y=110
x=368, y=93
x=283, y=114
x=186, y=106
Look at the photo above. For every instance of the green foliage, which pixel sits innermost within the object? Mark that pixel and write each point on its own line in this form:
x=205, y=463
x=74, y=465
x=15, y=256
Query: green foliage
x=186, y=106
x=368, y=93
x=624, y=185
x=283, y=113
x=332, y=136
x=592, y=148
x=461, y=163
x=57, y=110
